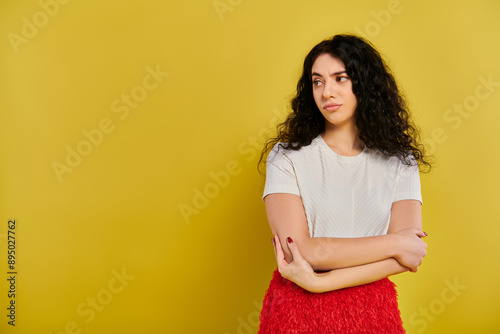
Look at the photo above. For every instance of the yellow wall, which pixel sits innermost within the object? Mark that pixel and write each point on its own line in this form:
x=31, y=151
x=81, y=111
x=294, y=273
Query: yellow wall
x=129, y=140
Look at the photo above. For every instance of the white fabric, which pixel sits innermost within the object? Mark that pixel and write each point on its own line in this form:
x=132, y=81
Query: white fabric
x=343, y=196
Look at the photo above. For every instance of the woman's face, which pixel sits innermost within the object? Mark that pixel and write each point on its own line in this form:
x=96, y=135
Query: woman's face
x=332, y=90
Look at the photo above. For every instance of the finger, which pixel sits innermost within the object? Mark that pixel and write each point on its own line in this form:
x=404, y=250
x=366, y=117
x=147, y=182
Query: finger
x=276, y=252
x=280, y=255
x=292, y=246
x=421, y=234
x=274, y=246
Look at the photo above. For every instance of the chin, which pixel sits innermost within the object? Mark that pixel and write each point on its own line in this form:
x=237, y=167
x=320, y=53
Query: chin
x=338, y=122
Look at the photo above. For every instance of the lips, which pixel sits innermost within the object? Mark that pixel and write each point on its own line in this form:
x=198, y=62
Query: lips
x=332, y=106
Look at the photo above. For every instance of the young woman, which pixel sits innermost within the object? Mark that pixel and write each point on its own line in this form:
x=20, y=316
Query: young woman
x=342, y=196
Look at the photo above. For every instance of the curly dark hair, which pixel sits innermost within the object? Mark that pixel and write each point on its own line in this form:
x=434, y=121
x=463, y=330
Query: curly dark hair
x=381, y=116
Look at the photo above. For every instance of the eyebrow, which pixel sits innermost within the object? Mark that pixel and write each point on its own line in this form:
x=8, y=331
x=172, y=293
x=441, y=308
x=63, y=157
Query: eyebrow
x=336, y=73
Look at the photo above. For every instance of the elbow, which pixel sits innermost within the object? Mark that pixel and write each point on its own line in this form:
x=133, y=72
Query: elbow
x=319, y=266
x=316, y=263
x=320, y=258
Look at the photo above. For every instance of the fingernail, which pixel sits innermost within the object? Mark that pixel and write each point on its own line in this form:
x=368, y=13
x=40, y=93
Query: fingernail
x=425, y=234
x=289, y=240
x=272, y=240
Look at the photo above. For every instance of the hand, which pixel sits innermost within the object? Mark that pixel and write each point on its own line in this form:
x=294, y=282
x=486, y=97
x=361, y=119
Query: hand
x=299, y=270
x=413, y=248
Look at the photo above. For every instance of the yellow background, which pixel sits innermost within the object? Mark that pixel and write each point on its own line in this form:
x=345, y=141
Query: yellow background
x=230, y=75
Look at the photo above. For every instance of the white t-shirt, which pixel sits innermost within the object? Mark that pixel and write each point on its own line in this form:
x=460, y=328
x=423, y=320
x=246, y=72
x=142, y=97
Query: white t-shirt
x=343, y=196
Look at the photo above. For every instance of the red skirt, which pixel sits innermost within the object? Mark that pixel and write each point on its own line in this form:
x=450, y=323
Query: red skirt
x=369, y=308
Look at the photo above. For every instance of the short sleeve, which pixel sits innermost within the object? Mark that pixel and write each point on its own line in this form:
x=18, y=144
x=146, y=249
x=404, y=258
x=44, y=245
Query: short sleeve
x=408, y=186
x=280, y=173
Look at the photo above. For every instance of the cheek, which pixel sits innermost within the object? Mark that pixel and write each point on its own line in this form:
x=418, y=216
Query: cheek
x=354, y=100
x=351, y=96
x=317, y=96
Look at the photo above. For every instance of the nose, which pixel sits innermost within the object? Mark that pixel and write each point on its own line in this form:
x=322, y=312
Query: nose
x=329, y=90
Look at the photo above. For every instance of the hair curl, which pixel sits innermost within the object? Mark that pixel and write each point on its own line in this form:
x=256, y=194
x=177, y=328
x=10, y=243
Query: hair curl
x=382, y=116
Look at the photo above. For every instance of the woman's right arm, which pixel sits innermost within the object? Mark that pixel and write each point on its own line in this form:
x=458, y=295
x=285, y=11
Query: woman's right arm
x=301, y=273
x=286, y=216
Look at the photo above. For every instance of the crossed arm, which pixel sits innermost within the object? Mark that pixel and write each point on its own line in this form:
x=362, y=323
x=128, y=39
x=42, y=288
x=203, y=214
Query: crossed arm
x=349, y=261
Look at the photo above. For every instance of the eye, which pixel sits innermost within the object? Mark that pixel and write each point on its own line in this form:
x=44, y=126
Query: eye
x=316, y=82
x=342, y=78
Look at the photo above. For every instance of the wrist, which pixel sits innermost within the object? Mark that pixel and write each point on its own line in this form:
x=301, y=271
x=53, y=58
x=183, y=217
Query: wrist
x=397, y=267
x=393, y=246
x=317, y=282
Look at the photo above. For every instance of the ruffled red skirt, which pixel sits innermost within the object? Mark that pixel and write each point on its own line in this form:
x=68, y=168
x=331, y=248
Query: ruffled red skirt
x=369, y=308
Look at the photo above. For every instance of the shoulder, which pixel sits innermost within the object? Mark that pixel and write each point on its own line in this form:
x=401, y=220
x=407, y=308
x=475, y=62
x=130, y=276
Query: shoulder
x=378, y=163
x=376, y=154
x=399, y=165
x=408, y=166
x=283, y=150
x=380, y=158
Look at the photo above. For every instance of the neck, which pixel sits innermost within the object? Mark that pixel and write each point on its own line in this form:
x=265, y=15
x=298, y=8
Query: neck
x=345, y=139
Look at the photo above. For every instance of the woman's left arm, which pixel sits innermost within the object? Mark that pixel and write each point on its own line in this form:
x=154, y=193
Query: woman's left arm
x=404, y=214
x=301, y=272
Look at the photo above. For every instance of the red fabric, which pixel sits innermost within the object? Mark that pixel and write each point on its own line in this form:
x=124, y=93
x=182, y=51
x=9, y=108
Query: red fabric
x=369, y=308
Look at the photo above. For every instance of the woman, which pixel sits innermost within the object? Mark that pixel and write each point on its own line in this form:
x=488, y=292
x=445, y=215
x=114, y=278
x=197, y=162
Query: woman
x=343, y=189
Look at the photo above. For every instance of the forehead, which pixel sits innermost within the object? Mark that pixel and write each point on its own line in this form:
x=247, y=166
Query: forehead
x=326, y=64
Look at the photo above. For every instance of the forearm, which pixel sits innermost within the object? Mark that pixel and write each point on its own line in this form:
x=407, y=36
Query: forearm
x=333, y=253
x=287, y=218
x=353, y=276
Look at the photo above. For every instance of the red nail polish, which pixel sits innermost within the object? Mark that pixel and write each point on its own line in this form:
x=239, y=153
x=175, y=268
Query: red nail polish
x=272, y=240
x=425, y=234
x=289, y=240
